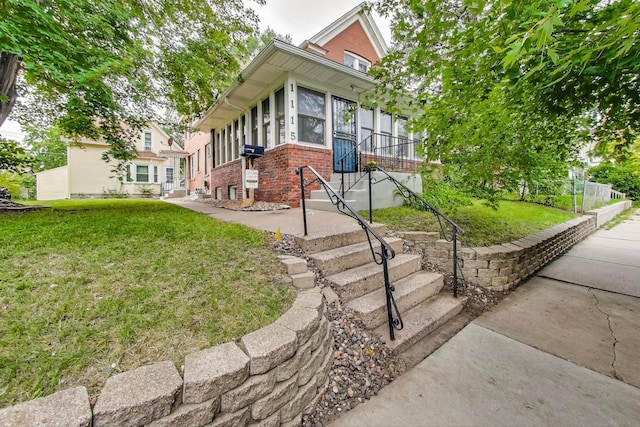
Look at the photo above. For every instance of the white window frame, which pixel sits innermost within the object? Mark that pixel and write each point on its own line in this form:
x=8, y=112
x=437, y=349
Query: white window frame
x=357, y=61
x=302, y=115
x=135, y=174
x=144, y=140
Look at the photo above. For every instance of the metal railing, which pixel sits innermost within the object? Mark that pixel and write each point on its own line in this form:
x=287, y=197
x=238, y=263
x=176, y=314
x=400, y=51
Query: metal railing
x=392, y=153
x=167, y=186
x=418, y=202
x=381, y=258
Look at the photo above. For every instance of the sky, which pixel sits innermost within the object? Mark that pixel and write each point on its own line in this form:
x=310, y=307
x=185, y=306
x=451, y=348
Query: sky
x=301, y=19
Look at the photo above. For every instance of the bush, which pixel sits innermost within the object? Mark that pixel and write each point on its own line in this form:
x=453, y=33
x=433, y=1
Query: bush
x=12, y=182
x=624, y=178
x=440, y=192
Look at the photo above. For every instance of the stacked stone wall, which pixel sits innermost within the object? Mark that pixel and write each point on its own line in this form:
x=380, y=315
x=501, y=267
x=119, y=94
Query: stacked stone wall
x=268, y=378
x=502, y=267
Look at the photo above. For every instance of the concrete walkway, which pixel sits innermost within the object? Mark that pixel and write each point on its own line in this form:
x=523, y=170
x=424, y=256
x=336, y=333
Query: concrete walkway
x=290, y=221
x=561, y=350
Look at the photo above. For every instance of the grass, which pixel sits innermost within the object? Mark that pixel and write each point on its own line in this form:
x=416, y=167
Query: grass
x=482, y=225
x=91, y=288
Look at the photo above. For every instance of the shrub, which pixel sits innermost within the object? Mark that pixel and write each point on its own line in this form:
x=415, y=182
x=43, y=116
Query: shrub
x=624, y=178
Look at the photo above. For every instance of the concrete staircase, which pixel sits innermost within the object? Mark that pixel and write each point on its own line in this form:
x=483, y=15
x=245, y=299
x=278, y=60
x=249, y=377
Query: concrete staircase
x=358, y=196
x=344, y=259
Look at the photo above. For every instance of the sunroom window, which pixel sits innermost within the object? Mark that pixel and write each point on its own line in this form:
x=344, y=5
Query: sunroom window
x=311, y=115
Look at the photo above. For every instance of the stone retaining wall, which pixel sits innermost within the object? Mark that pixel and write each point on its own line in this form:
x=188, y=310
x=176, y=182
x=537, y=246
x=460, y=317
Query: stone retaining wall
x=607, y=213
x=268, y=378
x=502, y=267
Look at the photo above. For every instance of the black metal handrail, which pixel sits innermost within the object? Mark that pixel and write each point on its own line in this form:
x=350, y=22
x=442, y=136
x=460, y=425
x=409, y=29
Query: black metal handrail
x=417, y=201
x=381, y=258
x=387, y=151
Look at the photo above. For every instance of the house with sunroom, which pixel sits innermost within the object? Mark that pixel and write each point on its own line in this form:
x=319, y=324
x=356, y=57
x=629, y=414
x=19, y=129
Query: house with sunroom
x=300, y=105
x=158, y=169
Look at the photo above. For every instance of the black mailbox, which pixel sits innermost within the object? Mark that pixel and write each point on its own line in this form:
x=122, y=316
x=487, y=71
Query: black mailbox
x=252, y=151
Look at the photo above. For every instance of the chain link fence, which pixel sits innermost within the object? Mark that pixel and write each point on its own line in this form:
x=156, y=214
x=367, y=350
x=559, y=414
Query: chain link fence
x=575, y=194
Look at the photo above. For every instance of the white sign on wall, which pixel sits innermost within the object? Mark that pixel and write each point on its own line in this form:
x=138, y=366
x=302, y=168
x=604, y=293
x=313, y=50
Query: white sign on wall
x=251, y=178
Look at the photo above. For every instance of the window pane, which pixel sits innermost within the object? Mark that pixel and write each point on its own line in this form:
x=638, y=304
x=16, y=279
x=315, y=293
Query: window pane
x=366, y=118
x=310, y=103
x=349, y=60
x=142, y=173
x=147, y=141
x=266, y=111
x=385, y=123
x=311, y=129
x=280, y=102
x=254, y=126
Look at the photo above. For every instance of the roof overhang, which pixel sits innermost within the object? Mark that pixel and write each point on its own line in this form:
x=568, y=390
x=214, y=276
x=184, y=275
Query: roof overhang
x=272, y=64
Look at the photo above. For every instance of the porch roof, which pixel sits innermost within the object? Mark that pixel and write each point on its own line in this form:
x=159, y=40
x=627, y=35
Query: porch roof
x=273, y=62
x=173, y=154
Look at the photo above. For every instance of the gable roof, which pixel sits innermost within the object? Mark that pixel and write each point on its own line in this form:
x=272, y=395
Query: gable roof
x=358, y=13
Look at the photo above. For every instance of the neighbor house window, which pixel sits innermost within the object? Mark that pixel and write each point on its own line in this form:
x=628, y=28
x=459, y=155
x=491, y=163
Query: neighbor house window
x=147, y=141
x=192, y=167
x=198, y=161
x=280, y=136
x=142, y=173
x=366, y=128
x=155, y=174
x=354, y=61
x=169, y=174
x=266, y=123
x=311, y=115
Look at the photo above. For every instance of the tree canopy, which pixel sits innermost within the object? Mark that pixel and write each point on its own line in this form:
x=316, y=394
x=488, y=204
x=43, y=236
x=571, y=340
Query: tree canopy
x=508, y=90
x=93, y=65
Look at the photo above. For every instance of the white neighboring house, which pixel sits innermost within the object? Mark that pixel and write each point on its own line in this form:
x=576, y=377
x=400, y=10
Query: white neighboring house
x=158, y=170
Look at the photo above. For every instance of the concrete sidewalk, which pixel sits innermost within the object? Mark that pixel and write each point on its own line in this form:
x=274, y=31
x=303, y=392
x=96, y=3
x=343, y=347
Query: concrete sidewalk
x=563, y=349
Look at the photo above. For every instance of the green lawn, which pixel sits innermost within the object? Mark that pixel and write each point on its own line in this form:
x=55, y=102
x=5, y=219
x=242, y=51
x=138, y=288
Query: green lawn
x=94, y=287
x=483, y=226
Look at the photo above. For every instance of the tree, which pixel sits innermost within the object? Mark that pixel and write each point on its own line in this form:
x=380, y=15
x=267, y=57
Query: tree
x=13, y=158
x=256, y=43
x=47, y=148
x=93, y=66
x=491, y=110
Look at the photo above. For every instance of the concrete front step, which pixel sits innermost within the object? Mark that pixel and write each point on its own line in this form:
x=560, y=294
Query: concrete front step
x=352, y=194
x=421, y=320
x=332, y=238
x=355, y=282
x=343, y=258
x=327, y=205
x=410, y=291
x=427, y=345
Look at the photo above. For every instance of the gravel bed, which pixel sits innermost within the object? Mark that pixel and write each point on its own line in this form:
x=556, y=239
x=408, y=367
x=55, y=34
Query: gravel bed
x=362, y=364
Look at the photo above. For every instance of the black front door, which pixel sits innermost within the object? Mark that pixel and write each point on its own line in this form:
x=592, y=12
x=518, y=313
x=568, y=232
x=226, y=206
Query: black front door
x=344, y=135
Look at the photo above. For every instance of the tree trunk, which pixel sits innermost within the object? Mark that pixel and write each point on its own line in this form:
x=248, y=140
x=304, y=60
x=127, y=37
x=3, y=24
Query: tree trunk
x=9, y=68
